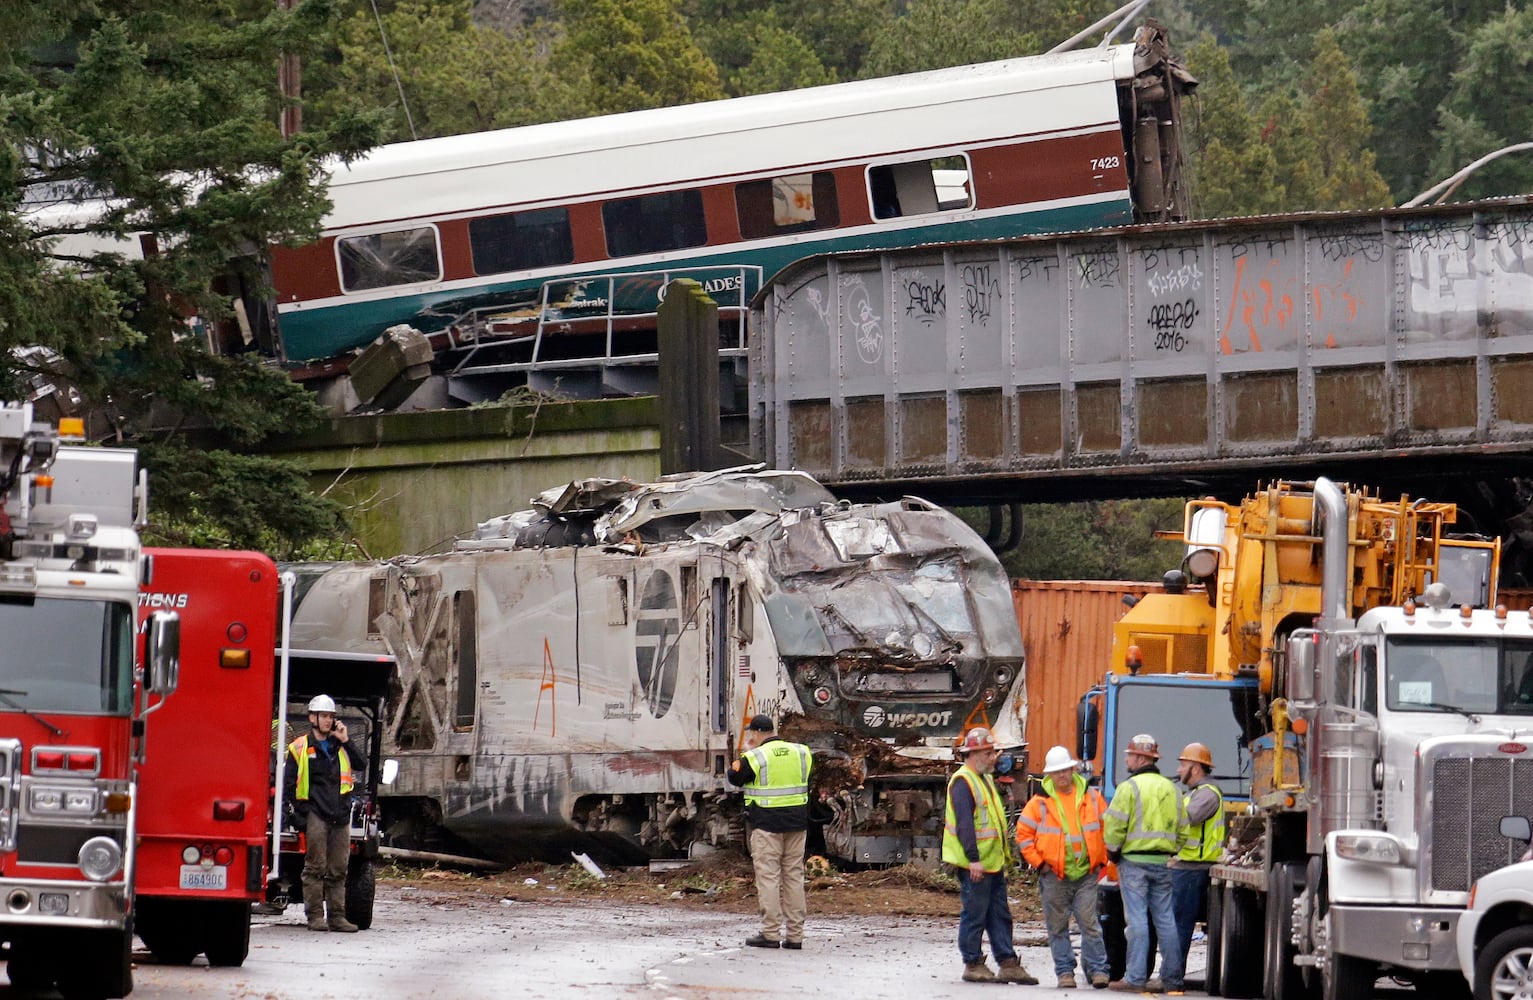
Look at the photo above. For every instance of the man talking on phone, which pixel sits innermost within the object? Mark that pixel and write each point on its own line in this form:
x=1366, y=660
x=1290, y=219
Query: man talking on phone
x=319, y=784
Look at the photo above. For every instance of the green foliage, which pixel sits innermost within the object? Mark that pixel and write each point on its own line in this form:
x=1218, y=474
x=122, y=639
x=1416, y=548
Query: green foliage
x=1488, y=107
x=1294, y=152
x=133, y=122
x=634, y=54
x=937, y=33
x=838, y=34
x=456, y=76
x=1094, y=540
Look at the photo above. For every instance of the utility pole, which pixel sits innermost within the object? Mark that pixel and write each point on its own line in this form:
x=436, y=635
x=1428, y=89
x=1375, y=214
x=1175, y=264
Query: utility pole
x=290, y=84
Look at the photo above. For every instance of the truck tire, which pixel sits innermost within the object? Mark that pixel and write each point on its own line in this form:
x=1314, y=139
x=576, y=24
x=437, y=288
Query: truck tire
x=1281, y=978
x=169, y=928
x=1506, y=956
x=100, y=967
x=1241, y=944
x=1213, y=936
x=227, y=929
x=361, y=886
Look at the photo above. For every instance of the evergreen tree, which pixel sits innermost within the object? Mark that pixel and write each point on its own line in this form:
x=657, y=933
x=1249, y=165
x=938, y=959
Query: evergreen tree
x=455, y=75
x=139, y=156
x=1488, y=108
x=634, y=54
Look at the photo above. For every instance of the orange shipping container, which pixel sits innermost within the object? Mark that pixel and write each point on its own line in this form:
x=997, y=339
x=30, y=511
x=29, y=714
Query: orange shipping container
x=1067, y=633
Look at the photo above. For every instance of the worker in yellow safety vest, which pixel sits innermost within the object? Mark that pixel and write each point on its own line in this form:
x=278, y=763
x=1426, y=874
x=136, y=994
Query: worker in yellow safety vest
x=775, y=776
x=1141, y=830
x=1202, y=840
x=318, y=782
x=976, y=840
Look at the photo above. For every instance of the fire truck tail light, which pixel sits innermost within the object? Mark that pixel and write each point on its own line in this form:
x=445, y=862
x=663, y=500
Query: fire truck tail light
x=223, y=855
x=228, y=809
x=47, y=760
x=100, y=858
x=235, y=659
x=191, y=854
x=118, y=802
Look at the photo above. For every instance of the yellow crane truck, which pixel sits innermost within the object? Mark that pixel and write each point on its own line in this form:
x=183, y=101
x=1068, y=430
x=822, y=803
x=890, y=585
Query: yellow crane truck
x=1369, y=708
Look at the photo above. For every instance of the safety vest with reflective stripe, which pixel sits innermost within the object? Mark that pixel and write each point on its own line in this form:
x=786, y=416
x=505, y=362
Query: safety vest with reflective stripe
x=1203, y=841
x=781, y=781
x=1141, y=822
x=1046, y=836
x=301, y=751
x=989, y=823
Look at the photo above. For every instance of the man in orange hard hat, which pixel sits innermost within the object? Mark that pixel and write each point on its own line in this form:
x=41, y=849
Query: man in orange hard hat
x=1140, y=830
x=1201, y=836
x=975, y=841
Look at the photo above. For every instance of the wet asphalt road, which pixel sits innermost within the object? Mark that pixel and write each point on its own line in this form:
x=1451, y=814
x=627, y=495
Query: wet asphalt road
x=455, y=946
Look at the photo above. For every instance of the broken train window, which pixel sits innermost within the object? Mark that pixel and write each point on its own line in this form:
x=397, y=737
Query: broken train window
x=379, y=260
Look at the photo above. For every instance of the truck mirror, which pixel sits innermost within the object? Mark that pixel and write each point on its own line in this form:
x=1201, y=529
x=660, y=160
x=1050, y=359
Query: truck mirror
x=1516, y=828
x=1303, y=652
x=162, y=653
x=1086, y=724
x=391, y=771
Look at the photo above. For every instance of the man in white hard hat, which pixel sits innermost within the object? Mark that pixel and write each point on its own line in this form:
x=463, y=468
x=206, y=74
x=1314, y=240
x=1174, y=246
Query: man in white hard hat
x=1060, y=834
x=320, y=777
x=975, y=842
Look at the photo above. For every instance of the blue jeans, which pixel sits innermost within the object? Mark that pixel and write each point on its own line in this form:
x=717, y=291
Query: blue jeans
x=985, y=911
x=1147, y=898
x=1189, y=895
x=1061, y=898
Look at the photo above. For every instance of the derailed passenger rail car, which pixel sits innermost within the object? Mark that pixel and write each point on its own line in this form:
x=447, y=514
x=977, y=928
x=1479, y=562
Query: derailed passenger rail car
x=579, y=674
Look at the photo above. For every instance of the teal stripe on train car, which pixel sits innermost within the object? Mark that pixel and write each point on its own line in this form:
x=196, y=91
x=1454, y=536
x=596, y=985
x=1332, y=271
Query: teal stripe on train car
x=327, y=331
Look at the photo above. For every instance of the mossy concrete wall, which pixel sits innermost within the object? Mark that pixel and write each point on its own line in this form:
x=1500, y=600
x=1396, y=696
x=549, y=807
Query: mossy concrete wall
x=414, y=481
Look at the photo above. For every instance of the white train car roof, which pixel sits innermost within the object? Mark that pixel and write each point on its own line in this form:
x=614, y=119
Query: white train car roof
x=762, y=134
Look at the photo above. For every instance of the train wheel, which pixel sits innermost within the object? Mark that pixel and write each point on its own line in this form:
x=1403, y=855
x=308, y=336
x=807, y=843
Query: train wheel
x=1213, y=935
x=1241, y=944
x=361, y=887
x=227, y=930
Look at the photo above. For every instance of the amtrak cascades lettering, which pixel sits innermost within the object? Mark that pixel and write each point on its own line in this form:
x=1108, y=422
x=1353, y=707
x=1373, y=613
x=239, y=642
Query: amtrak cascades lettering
x=876, y=717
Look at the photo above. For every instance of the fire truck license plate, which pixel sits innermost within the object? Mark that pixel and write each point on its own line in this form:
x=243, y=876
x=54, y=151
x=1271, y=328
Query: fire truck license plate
x=198, y=877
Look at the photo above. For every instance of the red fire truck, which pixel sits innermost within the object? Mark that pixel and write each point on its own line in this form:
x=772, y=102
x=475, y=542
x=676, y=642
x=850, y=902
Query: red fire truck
x=204, y=789
x=72, y=718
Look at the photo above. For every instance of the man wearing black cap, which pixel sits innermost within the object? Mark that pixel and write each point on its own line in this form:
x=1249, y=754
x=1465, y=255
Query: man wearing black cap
x=775, y=776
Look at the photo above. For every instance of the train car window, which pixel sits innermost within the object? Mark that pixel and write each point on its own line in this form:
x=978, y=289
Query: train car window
x=794, y=203
x=379, y=260
x=653, y=223
x=521, y=240
x=920, y=187
x=467, y=649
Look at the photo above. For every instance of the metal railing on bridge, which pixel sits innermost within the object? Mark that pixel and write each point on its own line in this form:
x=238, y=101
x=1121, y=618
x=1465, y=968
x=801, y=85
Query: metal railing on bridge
x=1153, y=349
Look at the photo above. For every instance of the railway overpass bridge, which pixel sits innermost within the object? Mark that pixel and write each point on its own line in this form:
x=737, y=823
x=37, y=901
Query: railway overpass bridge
x=1390, y=348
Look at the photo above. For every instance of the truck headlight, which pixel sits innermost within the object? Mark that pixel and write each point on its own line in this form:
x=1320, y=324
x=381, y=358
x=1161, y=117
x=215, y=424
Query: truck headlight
x=100, y=858
x=1371, y=848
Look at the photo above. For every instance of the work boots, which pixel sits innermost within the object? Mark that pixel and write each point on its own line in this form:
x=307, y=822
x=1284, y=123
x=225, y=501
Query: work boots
x=1013, y=971
x=335, y=898
x=314, y=907
x=978, y=972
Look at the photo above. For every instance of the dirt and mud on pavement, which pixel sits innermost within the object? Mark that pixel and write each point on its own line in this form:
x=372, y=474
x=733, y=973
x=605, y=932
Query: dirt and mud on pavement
x=724, y=882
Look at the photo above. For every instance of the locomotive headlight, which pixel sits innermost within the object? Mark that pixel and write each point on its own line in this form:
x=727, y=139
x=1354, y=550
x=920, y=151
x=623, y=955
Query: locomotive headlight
x=822, y=696
x=100, y=858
